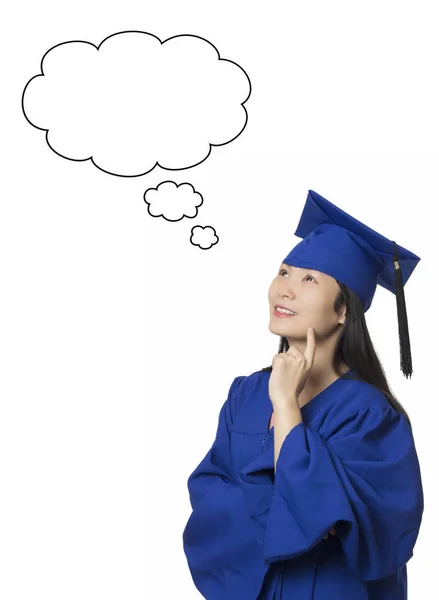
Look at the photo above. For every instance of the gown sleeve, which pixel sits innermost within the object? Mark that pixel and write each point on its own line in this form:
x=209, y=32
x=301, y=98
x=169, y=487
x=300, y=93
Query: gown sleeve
x=360, y=472
x=219, y=539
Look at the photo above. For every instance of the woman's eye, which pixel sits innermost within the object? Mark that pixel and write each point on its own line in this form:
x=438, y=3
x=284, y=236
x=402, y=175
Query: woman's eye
x=285, y=271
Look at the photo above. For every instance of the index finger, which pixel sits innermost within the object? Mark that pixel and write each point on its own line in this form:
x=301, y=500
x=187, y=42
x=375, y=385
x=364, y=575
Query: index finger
x=310, y=346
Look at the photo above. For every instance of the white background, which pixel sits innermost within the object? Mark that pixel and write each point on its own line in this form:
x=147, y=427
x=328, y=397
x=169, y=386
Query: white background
x=120, y=339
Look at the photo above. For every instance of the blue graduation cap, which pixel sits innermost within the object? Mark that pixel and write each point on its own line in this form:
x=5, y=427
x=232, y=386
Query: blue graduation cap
x=339, y=245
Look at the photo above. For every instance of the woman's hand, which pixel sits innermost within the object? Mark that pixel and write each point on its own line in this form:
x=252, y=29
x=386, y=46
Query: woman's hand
x=290, y=371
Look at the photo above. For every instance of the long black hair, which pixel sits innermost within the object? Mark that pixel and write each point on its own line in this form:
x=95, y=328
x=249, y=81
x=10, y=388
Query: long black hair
x=354, y=348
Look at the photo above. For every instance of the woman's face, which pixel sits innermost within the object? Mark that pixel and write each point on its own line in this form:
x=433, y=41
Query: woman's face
x=309, y=293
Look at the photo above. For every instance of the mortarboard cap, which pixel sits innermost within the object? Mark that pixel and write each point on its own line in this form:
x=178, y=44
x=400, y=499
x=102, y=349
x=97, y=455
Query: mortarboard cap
x=344, y=248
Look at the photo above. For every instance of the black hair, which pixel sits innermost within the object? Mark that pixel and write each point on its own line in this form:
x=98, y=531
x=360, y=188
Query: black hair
x=354, y=348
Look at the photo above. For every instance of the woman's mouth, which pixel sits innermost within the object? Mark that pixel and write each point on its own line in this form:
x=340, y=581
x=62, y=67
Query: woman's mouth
x=282, y=313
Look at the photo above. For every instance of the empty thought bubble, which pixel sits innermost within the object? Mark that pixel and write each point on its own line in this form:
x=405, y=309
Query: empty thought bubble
x=173, y=202
x=204, y=237
x=135, y=102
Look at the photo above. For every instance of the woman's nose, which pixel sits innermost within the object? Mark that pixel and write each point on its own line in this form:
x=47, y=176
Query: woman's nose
x=288, y=292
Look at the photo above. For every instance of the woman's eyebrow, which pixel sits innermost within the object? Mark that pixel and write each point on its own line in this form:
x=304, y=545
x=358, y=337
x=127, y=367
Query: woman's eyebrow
x=284, y=265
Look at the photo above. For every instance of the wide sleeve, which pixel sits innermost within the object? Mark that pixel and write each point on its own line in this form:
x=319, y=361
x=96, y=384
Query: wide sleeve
x=361, y=473
x=219, y=540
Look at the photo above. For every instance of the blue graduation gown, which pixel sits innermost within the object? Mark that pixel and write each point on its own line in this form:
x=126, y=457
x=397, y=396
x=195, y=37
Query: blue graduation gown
x=258, y=535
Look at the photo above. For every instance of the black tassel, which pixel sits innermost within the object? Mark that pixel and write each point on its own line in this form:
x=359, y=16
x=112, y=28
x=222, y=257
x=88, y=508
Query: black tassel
x=403, y=327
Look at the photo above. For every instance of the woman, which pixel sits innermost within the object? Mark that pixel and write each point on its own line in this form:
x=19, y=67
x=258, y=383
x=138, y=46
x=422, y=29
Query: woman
x=312, y=488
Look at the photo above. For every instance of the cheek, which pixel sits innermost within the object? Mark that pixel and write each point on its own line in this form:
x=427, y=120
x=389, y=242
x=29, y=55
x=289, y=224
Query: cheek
x=319, y=309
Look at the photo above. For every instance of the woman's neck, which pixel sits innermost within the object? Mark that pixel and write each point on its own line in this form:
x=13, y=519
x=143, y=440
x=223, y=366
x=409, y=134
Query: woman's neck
x=317, y=382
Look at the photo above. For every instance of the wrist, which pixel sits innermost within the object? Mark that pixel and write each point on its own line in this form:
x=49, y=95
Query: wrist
x=286, y=404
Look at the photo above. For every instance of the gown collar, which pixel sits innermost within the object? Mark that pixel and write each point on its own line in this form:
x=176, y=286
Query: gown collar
x=312, y=407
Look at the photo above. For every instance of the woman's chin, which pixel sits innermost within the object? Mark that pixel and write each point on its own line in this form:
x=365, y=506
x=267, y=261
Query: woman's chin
x=284, y=329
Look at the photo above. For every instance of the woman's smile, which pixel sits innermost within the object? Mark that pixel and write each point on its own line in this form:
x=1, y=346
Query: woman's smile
x=279, y=314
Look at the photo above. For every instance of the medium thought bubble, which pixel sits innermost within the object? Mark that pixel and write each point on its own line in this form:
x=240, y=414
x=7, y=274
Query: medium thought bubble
x=173, y=202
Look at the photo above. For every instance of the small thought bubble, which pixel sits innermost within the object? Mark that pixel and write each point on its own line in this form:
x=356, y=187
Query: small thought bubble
x=173, y=202
x=135, y=102
x=203, y=237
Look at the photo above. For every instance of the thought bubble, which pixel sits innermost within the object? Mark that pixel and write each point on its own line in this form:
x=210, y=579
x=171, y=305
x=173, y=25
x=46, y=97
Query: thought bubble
x=203, y=237
x=135, y=102
x=173, y=202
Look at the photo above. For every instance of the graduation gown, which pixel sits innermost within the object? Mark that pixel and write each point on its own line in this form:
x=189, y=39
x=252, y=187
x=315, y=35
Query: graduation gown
x=258, y=535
